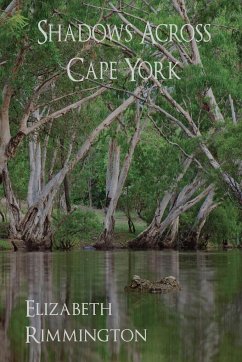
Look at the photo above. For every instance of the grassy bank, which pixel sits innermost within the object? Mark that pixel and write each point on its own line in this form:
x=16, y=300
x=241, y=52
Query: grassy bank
x=84, y=226
x=5, y=245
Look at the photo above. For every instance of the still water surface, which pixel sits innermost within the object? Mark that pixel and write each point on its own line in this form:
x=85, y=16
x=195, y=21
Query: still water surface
x=201, y=323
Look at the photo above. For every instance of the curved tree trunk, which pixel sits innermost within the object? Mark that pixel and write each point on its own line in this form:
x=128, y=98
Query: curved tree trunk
x=4, y=127
x=35, y=228
x=148, y=238
x=112, y=176
x=193, y=239
x=116, y=178
x=33, y=231
x=12, y=205
x=214, y=112
x=153, y=237
x=66, y=186
x=170, y=239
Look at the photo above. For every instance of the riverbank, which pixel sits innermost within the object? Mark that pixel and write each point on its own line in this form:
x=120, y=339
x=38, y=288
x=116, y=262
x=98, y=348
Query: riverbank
x=86, y=227
x=86, y=237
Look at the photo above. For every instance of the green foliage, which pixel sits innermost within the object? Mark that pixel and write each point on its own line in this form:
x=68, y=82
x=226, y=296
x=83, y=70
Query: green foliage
x=17, y=22
x=157, y=159
x=228, y=144
x=79, y=226
x=224, y=224
x=5, y=245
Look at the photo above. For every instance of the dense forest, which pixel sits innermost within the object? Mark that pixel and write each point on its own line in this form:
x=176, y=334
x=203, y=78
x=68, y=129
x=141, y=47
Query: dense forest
x=149, y=162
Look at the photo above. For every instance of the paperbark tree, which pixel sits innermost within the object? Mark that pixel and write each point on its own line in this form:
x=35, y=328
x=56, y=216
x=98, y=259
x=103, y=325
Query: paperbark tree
x=32, y=231
x=144, y=240
x=115, y=180
x=186, y=121
x=8, y=144
x=192, y=239
x=66, y=186
x=153, y=237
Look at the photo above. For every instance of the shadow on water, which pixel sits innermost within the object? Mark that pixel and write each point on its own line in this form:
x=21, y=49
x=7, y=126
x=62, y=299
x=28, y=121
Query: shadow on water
x=201, y=323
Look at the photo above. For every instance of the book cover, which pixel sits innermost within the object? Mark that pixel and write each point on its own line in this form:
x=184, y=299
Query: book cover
x=120, y=181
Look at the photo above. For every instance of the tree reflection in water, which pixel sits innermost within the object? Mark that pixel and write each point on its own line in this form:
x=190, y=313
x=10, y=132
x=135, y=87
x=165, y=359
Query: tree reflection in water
x=201, y=323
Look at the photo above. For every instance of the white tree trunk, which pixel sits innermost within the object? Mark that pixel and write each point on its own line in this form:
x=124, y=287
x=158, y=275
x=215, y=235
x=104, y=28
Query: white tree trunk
x=34, y=186
x=193, y=238
x=153, y=236
x=116, y=178
x=4, y=128
x=234, y=118
x=112, y=179
x=147, y=239
x=33, y=231
x=12, y=205
x=180, y=208
x=233, y=185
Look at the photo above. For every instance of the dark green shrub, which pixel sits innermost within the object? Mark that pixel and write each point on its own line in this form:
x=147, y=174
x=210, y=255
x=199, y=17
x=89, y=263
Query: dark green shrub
x=224, y=224
x=80, y=226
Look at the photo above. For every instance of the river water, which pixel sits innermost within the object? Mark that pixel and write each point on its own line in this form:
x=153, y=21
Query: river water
x=201, y=323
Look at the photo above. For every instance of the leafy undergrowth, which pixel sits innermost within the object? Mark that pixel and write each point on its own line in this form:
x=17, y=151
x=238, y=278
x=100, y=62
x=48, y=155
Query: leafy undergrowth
x=5, y=245
x=81, y=225
x=84, y=226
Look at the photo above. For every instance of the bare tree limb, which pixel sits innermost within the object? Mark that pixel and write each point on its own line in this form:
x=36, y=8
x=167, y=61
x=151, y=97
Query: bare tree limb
x=62, y=112
x=234, y=118
x=140, y=33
